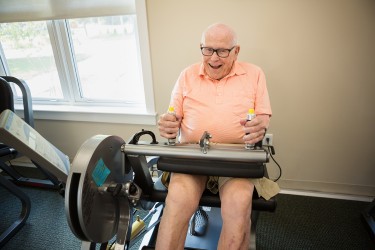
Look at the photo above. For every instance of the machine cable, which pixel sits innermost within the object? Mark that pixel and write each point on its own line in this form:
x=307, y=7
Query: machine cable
x=271, y=151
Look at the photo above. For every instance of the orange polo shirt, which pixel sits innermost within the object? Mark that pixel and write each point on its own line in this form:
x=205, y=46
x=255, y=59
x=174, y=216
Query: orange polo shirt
x=216, y=106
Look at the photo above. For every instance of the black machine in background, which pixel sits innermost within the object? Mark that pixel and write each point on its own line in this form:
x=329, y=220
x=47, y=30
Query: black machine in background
x=7, y=102
x=368, y=217
x=8, y=153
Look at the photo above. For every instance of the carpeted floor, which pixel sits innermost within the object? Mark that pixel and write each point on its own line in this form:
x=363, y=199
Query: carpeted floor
x=299, y=222
x=46, y=227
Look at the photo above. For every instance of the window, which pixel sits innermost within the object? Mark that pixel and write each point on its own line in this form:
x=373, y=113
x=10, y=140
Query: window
x=28, y=53
x=85, y=67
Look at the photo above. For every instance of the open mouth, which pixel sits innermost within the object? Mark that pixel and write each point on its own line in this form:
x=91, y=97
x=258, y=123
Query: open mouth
x=215, y=67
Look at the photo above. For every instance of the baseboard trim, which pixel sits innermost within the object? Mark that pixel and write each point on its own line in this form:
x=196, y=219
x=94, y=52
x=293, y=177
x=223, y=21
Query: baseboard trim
x=328, y=190
x=327, y=195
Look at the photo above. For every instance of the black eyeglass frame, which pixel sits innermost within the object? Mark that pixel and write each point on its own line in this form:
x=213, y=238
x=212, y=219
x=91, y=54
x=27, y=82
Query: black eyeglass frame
x=216, y=50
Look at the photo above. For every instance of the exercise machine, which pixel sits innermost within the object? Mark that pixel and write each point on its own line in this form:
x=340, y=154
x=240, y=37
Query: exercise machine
x=7, y=153
x=109, y=178
x=107, y=172
x=19, y=137
x=368, y=217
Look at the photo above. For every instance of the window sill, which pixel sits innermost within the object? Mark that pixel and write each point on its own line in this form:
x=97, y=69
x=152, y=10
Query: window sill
x=99, y=114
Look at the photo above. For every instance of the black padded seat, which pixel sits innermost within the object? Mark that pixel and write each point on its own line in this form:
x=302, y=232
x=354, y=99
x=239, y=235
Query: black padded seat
x=215, y=167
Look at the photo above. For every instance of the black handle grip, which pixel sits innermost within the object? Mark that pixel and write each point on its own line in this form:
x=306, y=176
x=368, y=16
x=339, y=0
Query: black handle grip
x=138, y=135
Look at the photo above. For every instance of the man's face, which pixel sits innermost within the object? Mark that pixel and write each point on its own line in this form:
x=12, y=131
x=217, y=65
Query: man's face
x=217, y=67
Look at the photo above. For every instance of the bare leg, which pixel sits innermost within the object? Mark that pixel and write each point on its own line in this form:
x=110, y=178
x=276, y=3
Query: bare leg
x=236, y=200
x=183, y=197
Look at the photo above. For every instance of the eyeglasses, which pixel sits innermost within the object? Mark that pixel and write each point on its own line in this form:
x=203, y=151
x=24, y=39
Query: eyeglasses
x=223, y=53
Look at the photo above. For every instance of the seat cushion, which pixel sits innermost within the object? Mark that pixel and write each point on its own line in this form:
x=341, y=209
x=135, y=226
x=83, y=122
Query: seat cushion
x=212, y=167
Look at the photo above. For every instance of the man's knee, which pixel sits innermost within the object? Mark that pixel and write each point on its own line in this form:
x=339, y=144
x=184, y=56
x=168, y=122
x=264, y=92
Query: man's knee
x=184, y=191
x=236, y=196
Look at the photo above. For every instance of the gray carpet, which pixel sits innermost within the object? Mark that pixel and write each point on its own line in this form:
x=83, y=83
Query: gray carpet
x=301, y=222
x=46, y=227
x=298, y=223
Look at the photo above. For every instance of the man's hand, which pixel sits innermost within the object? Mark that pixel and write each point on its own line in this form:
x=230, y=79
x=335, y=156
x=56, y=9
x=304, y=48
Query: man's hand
x=255, y=129
x=169, y=125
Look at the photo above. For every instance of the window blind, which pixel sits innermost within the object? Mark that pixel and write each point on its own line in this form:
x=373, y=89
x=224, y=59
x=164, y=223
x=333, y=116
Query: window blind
x=37, y=10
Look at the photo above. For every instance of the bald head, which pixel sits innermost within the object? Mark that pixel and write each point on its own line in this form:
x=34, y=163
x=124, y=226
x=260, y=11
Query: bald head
x=221, y=40
x=219, y=31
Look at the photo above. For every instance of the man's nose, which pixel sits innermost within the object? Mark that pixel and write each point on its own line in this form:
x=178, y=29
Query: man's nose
x=215, y=56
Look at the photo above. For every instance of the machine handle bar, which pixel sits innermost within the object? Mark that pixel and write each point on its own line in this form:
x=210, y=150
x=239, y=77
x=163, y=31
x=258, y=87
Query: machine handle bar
x=215, y=152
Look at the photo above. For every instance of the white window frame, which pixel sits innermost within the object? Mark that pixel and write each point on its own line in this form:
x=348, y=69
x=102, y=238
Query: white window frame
x=92, y=112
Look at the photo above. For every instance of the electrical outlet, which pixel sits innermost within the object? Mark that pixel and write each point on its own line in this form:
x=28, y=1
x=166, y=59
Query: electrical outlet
x=268, y=140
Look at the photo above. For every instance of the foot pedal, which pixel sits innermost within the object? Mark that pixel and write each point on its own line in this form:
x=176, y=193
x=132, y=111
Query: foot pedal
x=199, y=222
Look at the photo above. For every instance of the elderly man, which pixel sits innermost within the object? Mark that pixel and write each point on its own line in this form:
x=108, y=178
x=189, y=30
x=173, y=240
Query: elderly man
x=215, y=96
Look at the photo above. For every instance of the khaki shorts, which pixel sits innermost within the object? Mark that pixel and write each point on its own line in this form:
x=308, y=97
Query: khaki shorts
x=265, y=187
x=214, y=183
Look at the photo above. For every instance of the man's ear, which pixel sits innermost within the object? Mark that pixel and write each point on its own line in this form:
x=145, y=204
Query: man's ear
x=237, y=49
